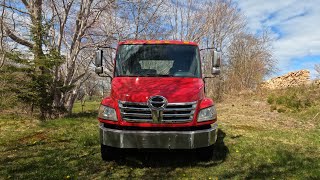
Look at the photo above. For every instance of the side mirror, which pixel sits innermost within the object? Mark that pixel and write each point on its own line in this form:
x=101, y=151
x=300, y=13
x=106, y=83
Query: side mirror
x=98, y=61
x=216, y=62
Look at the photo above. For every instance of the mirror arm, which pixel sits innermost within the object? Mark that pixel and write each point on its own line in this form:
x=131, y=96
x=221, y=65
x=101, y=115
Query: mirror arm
x=206, y=49
x=105, y=75
x=214, y=76
x=106, y=47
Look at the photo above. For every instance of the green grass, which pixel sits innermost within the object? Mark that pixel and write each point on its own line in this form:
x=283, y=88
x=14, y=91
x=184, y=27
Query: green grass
x=88, y=106
x=253, y=143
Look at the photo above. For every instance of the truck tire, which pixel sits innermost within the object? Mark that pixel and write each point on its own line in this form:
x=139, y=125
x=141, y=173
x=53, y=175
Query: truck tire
x=110, y=153
x=206, y=153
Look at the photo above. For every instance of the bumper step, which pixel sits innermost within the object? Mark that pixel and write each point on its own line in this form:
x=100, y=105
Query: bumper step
x=158, y=139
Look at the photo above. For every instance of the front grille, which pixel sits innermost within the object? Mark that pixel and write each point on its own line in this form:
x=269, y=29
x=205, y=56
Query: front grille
x=173, y=113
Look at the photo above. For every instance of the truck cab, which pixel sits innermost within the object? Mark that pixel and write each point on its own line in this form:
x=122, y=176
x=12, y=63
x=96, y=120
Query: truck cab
x=157, y=99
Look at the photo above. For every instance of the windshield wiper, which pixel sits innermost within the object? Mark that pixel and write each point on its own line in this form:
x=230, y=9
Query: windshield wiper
x=128, y=76
x=157, y=75
x=147, y=75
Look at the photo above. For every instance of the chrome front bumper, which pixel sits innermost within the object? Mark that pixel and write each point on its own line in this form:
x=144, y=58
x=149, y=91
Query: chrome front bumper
x=158, y=139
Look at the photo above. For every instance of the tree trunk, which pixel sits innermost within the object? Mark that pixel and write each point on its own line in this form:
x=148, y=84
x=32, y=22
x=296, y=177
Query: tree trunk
x=71, y=100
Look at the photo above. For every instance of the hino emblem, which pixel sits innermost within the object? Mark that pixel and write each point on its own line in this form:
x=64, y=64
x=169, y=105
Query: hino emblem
x=157, y=104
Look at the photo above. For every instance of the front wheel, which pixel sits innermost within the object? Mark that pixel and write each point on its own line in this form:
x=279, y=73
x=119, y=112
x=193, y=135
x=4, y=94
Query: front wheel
x=109, y=153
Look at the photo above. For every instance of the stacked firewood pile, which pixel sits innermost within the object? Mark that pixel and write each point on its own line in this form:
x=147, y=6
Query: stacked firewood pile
x=291, y=79
x=317, y=82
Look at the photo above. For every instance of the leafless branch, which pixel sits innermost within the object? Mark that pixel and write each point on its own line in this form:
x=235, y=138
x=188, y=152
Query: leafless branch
x=16, y=38
x=14, y=8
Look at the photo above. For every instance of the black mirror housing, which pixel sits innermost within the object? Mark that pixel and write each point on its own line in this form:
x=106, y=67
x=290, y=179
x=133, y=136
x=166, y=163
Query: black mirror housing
x=98, y=58
x=216, y=63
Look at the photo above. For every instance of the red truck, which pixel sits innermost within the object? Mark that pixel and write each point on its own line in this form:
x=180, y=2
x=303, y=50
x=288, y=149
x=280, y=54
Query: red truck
x=157, y=99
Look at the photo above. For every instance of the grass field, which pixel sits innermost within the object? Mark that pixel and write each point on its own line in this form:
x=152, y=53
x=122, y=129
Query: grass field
x=253, y=143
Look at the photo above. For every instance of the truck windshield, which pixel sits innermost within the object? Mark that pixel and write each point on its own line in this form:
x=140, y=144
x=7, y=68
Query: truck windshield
x=158, y=60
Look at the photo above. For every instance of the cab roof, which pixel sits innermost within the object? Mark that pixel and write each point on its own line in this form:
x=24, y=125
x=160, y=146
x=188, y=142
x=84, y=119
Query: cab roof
x=158, y=42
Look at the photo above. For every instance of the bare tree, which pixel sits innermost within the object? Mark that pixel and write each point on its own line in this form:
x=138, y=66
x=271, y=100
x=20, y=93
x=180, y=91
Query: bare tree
x=65, y=28
x=223, y=21
x=78, y=30
x=249, y=60
x=142, y=17
x=211, y=23
x=186, y=20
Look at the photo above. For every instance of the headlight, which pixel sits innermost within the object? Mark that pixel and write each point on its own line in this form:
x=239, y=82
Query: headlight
x=107, y=113
x=207, y=114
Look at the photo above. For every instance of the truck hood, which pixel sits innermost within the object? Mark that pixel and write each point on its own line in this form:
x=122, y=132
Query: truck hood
x=174, y=89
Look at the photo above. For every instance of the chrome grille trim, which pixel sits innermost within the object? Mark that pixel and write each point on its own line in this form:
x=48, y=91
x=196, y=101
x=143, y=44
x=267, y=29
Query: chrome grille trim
x=136, y=109
x=173, y=113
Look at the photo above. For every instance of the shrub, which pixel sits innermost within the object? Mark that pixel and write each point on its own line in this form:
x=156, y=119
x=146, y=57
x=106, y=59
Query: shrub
x=293, y=99
x=270, y=99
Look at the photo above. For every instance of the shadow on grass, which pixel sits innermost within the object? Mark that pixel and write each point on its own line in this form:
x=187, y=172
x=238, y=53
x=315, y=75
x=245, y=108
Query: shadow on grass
x=57, y=159
x=40, y=164
x=160, y=163
x=285, y=165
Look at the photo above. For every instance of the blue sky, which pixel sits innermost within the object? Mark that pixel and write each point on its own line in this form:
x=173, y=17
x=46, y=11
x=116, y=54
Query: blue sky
x=295, y=26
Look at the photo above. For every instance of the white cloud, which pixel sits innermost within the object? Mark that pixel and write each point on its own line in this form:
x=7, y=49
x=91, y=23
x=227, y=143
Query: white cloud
x=295, y=24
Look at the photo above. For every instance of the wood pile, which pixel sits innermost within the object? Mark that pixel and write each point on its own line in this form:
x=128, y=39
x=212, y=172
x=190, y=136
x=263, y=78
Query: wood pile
x=291, y=79
x=316, y=82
